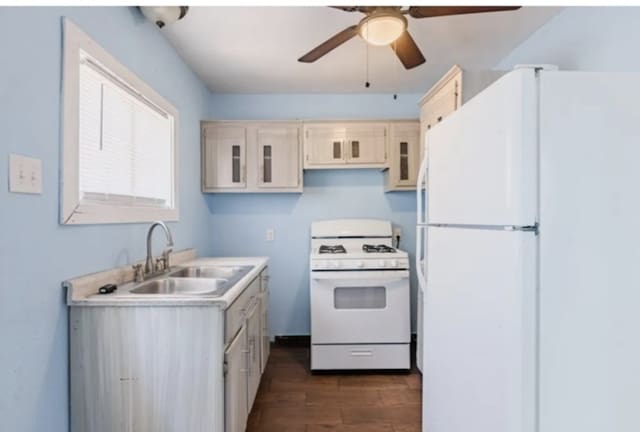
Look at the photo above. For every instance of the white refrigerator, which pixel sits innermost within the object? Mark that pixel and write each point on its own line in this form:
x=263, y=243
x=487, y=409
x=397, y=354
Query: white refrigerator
x=529, y=257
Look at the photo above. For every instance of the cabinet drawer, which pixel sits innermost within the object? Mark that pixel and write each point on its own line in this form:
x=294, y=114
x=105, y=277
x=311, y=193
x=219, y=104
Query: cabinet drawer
x=389, y=356
x=234, y=315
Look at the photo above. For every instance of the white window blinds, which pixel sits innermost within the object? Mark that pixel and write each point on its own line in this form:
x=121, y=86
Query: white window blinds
x=126, y=146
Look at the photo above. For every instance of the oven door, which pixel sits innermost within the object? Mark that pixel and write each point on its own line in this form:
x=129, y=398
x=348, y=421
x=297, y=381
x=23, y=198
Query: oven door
x=360, y=307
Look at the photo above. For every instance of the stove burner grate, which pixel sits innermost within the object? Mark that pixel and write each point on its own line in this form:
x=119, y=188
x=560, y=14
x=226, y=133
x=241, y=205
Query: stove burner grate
x=369, y=248
x=333, y=249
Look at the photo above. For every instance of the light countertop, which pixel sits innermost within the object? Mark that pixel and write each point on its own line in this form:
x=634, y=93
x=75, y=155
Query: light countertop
x=123, y=297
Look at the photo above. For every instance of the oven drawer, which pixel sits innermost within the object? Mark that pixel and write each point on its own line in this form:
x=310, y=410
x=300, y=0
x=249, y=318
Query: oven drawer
x=389, y=356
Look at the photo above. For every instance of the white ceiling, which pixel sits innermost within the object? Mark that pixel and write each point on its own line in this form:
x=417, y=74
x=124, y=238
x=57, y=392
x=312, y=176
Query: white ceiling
x=255, y=49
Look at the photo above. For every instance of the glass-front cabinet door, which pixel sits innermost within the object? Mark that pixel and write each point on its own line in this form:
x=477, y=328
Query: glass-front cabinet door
x=225, y=153
x=404, y=143
x=324, y=145
x=278, y=156
x=366, y=143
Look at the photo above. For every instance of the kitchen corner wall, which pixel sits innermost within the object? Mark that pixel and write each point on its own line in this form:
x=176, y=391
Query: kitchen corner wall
x=601, y=39
x=36, y=253
x=240, y=222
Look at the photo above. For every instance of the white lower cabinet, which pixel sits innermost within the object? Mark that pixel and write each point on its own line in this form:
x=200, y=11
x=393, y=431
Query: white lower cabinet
x=235, y=384
x=254, y=366
x=245, y=355
x=264, y=320
x=167, y=368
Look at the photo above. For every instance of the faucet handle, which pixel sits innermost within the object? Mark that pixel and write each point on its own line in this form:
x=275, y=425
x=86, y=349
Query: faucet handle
x=138, y=273
x=161, y=264
x=166, y=257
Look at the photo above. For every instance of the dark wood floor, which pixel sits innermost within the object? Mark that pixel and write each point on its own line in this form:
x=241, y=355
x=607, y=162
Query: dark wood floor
x=291, y=399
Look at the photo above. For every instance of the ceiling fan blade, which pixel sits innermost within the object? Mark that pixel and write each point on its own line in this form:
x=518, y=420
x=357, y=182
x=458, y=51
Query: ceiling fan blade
x=436, y=11
x=363, y=9
x=407, y=51
x=329, y=44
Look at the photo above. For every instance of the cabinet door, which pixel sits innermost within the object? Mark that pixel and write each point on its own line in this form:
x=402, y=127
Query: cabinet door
x=235, y=384
x=446, y=101
x=366, y=144
x=324, y=145
x=254, y=370
x=435, y=110
x=264, y=321
x=278, y=157
x=225, y=157
x=404, y=143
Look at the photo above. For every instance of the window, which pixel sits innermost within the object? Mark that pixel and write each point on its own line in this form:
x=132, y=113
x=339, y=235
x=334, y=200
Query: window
x=120, y=141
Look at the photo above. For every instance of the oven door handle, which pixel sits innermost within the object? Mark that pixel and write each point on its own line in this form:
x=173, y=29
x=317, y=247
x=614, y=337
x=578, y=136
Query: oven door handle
x=383, y=275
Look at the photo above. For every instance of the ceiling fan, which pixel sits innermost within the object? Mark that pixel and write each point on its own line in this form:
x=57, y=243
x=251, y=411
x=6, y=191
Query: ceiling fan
x=387, y=25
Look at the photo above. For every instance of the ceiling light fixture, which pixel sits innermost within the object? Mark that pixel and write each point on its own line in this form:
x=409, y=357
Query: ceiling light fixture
x=382, y=28
x=163, y=15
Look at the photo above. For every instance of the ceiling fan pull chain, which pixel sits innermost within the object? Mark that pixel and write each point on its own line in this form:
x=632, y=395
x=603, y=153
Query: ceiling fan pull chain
x=367, y=84
x=395, y=70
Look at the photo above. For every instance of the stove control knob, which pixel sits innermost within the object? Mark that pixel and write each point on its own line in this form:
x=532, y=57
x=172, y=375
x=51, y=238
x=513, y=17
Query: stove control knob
x=322, y=264
x=359, y=264
x=382, y=263
x=335, y=264
x=393, y=263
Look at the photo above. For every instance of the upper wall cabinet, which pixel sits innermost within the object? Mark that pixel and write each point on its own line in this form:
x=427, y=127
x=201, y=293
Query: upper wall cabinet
x=345, y=145
x=404, y=156
x=278, y=157
x=225, y=157
x=454, y=89
x=251, y=157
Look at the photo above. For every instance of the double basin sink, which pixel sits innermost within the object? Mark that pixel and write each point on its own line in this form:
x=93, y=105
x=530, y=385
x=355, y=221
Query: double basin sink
x=193, y=281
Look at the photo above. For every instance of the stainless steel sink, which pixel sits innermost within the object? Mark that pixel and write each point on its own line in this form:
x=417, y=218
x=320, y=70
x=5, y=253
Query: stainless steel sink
x=225, y=272
x=180, y=287
x=194, y=281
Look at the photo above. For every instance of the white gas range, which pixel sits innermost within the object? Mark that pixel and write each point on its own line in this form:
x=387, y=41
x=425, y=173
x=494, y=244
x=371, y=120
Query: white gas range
x=360, y=306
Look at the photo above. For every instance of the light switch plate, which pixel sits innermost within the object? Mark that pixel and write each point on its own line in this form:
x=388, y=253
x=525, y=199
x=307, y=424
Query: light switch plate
x=25, y=174
x=270, y=234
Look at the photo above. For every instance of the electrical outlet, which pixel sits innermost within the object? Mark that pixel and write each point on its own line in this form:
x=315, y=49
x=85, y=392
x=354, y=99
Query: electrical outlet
x=397, y=232
x=25, y=174
x=270, y=234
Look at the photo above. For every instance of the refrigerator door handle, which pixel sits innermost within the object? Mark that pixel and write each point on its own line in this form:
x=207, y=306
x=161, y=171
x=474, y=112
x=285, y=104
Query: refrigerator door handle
x=422, y=282
x=421, y=213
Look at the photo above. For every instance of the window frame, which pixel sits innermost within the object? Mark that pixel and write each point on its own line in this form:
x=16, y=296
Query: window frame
x=72, y=210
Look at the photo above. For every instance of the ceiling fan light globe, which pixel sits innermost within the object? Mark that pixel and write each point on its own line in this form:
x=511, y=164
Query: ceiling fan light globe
x=382, y=30
x=164, y=15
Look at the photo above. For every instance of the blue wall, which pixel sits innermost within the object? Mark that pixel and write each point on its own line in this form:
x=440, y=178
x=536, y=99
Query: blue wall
x=603, y=39
x=240, y=222
x=36, y=253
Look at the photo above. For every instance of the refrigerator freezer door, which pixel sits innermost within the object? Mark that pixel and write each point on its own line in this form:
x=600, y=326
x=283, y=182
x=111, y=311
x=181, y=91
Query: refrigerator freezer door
x=482, y=158
x=479, y=331
x=589, y=252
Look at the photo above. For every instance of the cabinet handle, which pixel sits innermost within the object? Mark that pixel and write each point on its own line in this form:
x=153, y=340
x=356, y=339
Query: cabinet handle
x=355, y=149
x=439, y=119
x=266, y=166
x=361, y=353
x=337, y=149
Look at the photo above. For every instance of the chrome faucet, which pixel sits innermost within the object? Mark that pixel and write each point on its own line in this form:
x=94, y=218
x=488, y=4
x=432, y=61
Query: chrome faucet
x=149, y=268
